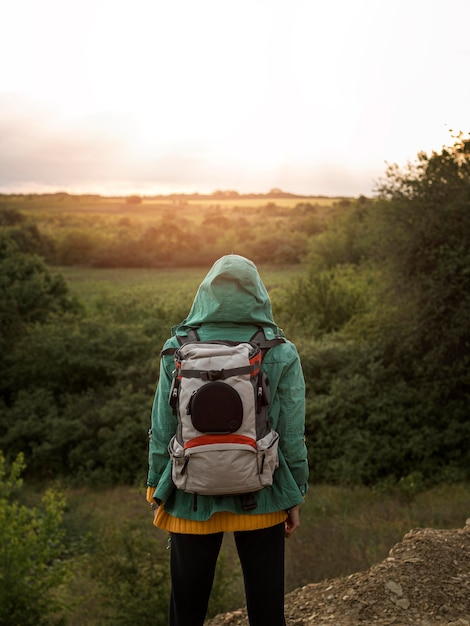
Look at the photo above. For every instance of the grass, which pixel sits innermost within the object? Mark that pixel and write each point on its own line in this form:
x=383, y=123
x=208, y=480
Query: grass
x=64, y=202
x=255, y=203
x=89, y=284
x=343, y=530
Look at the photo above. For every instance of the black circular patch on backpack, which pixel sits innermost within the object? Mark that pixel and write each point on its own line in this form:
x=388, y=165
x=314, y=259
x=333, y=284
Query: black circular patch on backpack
x=216, y=408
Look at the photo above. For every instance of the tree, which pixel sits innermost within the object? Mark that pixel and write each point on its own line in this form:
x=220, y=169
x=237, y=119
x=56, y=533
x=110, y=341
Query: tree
x=29, y=294
x=26, y=235
x=28, y=290
x=389, y=389
x=423, y=241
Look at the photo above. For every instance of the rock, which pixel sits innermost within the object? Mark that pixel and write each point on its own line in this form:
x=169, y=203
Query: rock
x=394, y=587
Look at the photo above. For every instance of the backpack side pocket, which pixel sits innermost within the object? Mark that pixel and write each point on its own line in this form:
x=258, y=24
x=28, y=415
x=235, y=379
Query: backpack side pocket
x=268, y=457
x=179, y=462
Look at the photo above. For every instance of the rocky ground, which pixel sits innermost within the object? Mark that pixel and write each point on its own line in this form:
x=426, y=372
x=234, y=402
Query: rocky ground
x=425, y=581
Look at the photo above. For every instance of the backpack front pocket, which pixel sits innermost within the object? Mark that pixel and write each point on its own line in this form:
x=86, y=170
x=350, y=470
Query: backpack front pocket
x=245, y=468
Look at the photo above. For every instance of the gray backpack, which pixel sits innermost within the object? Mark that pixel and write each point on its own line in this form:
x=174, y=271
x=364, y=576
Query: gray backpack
x=224, y=444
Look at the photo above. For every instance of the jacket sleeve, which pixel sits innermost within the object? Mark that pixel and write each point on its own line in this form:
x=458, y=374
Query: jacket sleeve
x=291, y=421
x=163, y=424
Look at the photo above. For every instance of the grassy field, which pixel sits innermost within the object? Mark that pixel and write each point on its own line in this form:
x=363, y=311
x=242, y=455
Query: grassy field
x=343, y=530
x=88, y=284
x=253, y=203
x=186, y=206
x=60, y=202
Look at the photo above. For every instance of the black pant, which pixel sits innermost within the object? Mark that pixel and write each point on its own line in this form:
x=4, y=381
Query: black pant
x=193, y=560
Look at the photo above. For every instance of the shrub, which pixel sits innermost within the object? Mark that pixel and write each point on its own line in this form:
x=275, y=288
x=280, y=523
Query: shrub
x=31, y=545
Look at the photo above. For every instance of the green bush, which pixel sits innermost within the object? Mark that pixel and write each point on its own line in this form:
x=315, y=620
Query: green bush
x=133, y=576
x=366, y=424
x=31, y=547
x=322, y=302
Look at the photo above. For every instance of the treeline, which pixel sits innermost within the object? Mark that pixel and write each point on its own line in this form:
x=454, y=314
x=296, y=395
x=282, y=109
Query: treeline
x=68, y=231
x=380, y=317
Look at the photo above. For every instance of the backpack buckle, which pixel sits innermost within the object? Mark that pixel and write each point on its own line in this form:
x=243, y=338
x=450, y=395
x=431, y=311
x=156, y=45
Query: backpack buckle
x=248, y=502
x=212, y=375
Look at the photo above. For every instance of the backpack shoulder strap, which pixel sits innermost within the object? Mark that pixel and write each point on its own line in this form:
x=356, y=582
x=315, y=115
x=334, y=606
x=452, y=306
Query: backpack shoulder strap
x=192, y=336
x=265, y=344
x=259, y=338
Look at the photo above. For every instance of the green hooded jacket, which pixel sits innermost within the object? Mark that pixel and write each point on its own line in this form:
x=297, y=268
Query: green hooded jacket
x=232, y=303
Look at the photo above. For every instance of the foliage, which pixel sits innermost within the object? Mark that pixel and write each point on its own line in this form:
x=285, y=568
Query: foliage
x=344, y=240
x=133, y=576
x=28, y=290
x=31, y=546
x=379, y=315
x=322, y=302
x=171, y=232
x=132, y=571
x=389, y=391
x=25, y=234
x=424, y=227
x=76, y=385
x=367, y=424
x=79, y=388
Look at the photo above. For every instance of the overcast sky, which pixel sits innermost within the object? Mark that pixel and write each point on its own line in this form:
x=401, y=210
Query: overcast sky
x=153, y=96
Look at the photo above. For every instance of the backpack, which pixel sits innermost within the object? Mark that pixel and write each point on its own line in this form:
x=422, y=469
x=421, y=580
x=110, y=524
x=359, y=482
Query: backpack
x=224, y=444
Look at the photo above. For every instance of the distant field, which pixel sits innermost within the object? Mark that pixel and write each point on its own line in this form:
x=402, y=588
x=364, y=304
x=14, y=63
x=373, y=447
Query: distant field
x=231, y=203
x=57, y=206
x=90, y=283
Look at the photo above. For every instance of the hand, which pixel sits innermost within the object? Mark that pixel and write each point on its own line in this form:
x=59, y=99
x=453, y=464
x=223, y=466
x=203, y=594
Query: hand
x=292, y=522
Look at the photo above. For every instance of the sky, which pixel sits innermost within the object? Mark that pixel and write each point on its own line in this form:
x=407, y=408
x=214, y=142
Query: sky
x=314, y=97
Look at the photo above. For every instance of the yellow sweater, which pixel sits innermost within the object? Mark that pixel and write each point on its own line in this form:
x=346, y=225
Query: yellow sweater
x=224, y=521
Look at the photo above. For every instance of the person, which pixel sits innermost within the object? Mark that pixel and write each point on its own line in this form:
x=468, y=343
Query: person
x=231, y=303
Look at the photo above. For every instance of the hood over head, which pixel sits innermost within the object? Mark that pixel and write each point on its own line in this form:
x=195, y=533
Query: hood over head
x=231, y=292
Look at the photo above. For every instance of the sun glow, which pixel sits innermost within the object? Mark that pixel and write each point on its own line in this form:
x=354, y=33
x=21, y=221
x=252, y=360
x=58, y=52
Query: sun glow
x=259, y=93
